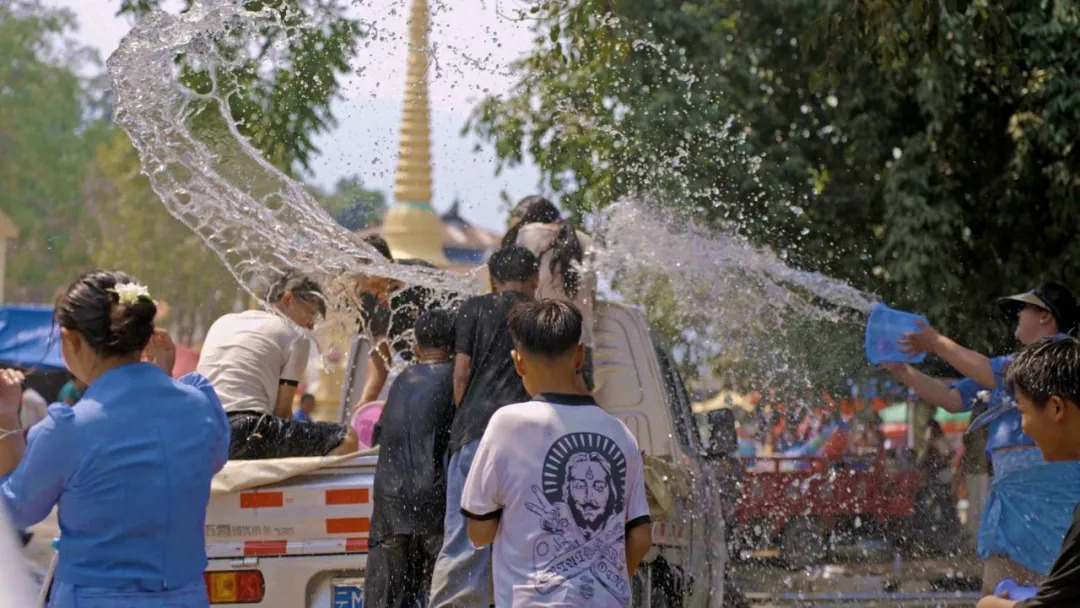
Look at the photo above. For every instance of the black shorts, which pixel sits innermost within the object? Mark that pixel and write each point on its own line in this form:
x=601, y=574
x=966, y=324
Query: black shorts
x=258, y=436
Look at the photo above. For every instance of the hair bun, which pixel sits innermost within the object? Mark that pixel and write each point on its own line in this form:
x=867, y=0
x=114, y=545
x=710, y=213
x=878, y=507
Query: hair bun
x=102, y=307
x=131, y=326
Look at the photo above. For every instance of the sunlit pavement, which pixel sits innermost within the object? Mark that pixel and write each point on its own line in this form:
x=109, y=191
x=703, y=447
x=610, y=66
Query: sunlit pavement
x=911, y=583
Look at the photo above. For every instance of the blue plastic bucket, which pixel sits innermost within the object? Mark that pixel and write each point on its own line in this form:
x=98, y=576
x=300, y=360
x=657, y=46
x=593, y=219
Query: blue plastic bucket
x=884, y=329
x=1015, y=591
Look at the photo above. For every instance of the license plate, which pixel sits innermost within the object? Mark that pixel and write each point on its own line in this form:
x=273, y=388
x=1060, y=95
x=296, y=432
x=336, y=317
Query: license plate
x=347, y=593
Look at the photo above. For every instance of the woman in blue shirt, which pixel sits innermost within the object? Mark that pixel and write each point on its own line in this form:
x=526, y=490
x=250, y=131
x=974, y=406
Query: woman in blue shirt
x=1030, y=504
x=129, y=465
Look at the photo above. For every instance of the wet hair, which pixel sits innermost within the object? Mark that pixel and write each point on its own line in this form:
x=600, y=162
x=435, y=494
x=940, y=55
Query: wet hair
x=1047, y=368
x=435, y=329
x=380, y=245
x=548, y=327
x=302, y=287
x=91, y=307
x=513, y=263
x=566, y=248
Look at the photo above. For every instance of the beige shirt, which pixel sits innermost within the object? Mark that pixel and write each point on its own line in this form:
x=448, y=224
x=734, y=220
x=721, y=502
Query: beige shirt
x=247, y=356
x=539, y=238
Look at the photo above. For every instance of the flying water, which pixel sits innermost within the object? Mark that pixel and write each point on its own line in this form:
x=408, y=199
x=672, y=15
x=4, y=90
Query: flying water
x=724, y=295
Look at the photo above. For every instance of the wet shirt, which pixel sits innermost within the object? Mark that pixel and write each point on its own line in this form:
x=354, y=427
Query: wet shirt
x=247, y=356
x=566, y=480
x=413, y=435
x=1002, y=417
x=129, y=467
x=1061, y=589
x=483, y=334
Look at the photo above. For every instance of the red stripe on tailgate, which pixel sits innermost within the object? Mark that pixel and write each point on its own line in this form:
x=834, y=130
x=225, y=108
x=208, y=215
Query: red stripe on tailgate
x=346, y=525
x=357, y=496
x=265, y=547
x=356, y=545
x=258, y=500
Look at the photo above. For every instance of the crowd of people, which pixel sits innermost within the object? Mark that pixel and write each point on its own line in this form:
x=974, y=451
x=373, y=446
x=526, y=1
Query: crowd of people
x=490, y=437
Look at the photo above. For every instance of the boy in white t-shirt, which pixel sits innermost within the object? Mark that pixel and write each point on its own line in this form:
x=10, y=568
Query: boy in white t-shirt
x=557, y=483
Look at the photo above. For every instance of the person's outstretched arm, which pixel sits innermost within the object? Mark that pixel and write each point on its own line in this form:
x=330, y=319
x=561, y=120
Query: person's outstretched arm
x=931, y=390
x=971, y=364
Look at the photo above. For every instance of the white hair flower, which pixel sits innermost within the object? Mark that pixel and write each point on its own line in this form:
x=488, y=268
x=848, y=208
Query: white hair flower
x=983, y=396
x=130, y=293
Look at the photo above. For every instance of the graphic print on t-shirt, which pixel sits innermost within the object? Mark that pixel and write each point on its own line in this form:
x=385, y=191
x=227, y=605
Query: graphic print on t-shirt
x=579, y=505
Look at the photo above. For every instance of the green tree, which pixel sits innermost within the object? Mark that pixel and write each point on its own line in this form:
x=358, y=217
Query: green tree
x=45, y=147
x=283, y=108
x=138, y=234
x=915, y=149
x=351, y=204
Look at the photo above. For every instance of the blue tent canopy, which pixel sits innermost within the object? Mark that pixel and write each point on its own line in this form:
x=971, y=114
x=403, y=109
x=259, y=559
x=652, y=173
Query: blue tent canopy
x=28, y=338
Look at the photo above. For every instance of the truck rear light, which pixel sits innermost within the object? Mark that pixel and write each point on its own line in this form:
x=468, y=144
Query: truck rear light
x=238, y=587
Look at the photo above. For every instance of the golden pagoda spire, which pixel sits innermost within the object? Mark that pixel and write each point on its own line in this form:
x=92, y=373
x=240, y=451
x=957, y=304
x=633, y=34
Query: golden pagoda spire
x=411, y=227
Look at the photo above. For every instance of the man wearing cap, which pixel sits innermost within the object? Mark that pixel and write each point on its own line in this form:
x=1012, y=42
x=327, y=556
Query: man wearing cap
x=1030, y=501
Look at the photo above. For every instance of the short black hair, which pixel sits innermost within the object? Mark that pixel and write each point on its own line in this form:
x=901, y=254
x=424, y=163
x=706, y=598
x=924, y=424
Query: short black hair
x=547, y=327
x=435, y=329
x=380, y=245
x=306, y=396
x=1047, y=368
x=301, y=285
x=513, y=263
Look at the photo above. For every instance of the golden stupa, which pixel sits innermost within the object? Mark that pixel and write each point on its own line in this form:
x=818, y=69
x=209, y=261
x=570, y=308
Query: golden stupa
x=411, y=227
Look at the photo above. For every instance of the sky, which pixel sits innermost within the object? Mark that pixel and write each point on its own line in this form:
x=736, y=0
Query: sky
x=473, y=41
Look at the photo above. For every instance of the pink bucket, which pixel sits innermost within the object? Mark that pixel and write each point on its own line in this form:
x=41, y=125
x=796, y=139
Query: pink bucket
x=364, y=420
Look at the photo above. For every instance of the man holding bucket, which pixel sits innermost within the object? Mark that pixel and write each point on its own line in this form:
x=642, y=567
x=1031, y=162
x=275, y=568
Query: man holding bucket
x=1030, y=501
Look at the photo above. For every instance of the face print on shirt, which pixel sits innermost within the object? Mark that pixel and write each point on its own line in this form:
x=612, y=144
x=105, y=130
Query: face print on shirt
x=581, y=504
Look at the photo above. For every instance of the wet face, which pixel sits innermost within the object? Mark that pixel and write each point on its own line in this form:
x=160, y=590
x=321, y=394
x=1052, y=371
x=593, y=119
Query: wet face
x=1034, y=324
x=302, y=311
x=590, y=493
x=1045, y=425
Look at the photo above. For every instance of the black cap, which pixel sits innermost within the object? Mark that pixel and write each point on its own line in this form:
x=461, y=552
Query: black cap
x=1052, y=297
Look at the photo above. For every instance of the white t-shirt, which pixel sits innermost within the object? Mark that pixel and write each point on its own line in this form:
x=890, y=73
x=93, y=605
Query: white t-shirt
x=566, y=479
x=247, y=356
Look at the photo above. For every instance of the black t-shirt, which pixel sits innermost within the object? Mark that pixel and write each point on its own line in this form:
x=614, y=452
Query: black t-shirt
x=1061, y=589
x=413, y=434
x=483, y=334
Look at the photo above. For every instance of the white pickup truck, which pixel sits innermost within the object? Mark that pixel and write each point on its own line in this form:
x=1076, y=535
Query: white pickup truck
x=294, y=533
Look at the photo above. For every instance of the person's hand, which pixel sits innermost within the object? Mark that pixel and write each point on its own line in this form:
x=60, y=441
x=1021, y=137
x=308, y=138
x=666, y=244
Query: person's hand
x=11, y=390
x=915, y=343
x=161, y=351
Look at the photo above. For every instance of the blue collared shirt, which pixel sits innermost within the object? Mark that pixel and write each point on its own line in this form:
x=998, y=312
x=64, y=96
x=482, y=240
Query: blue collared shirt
x=129, y=466
x=1002, y=416
x=301, y=416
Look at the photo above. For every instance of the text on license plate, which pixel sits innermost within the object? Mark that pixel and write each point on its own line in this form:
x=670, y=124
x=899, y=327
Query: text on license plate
x=348, y=595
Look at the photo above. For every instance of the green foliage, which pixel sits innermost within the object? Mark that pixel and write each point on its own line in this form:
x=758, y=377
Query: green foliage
x=923, y=150
x=283, y=108
x=352, y=205
x=45, y=144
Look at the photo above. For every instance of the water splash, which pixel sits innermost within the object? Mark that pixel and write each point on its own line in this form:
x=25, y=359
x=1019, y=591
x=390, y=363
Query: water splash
x=257, y=219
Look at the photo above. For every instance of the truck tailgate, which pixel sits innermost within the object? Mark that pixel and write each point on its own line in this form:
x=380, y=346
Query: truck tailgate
x=323, y=512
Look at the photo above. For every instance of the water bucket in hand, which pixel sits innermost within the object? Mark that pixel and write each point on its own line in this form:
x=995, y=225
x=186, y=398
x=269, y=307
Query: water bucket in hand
x=1015, y=591
x=364, y=420
x=884, y=329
